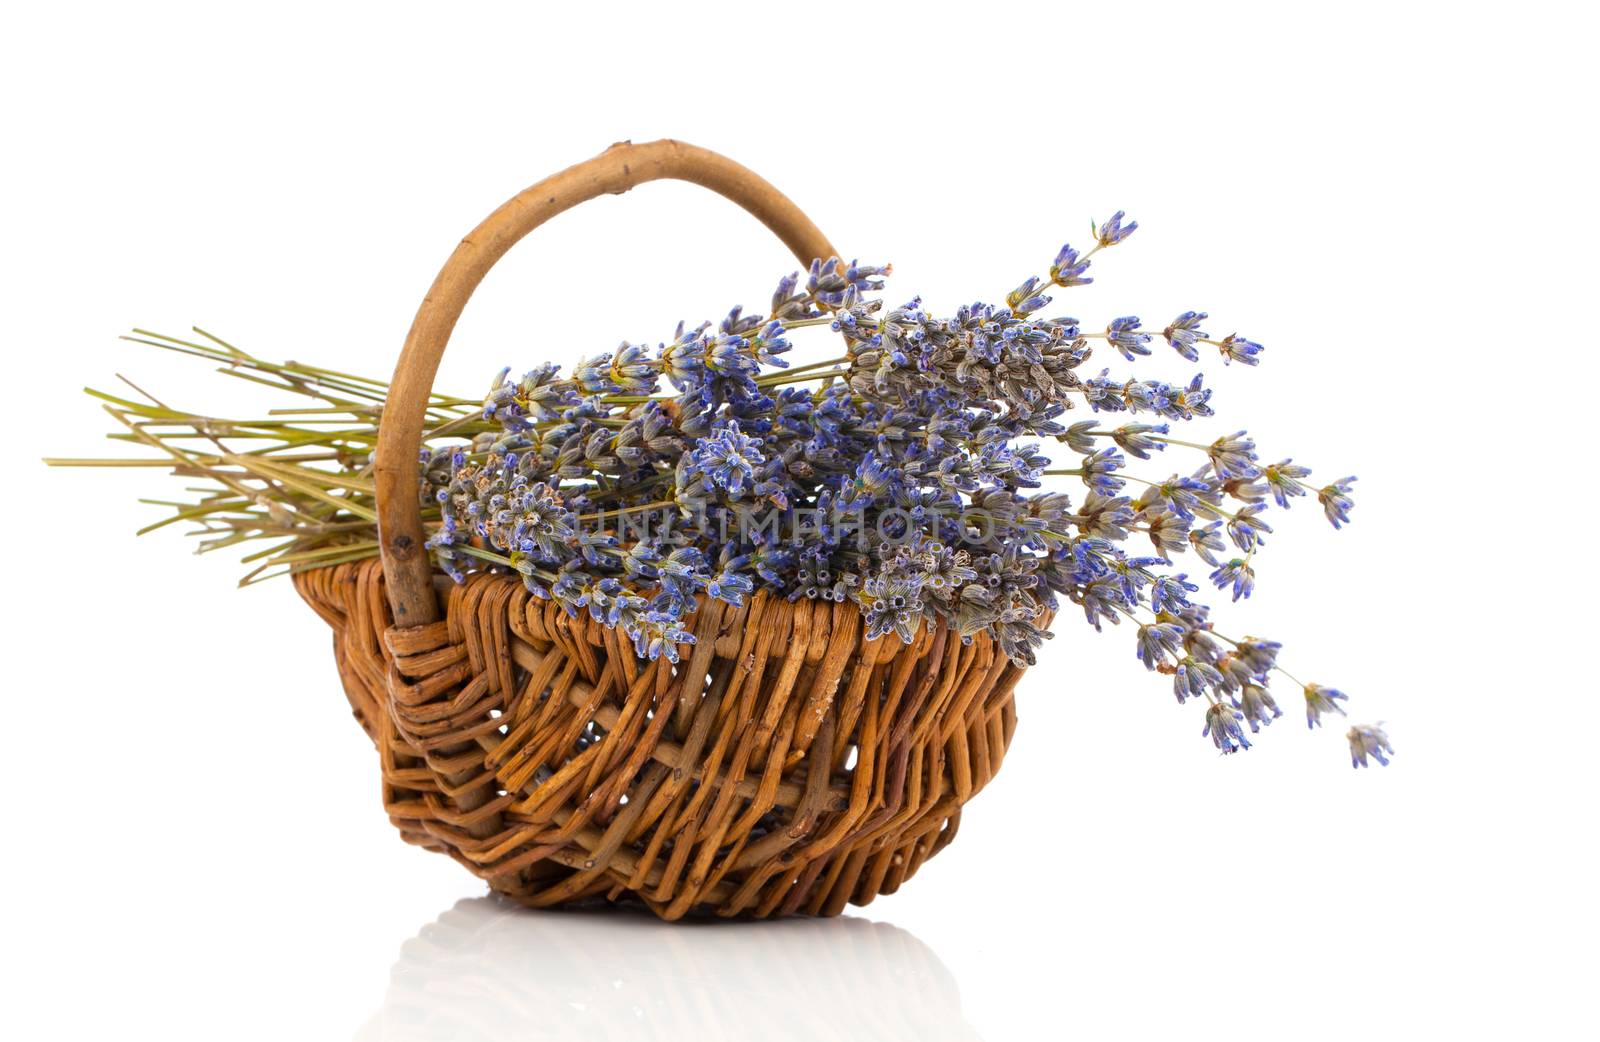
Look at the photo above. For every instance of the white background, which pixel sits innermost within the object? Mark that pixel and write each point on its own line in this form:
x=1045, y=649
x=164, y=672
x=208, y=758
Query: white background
x=1395, y=198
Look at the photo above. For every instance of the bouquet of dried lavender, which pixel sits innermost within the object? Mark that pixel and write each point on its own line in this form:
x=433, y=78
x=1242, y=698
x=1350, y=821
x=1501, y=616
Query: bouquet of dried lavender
x=907, y=475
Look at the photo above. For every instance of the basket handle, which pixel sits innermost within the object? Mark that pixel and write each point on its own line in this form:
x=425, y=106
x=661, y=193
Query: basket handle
x=407, y=571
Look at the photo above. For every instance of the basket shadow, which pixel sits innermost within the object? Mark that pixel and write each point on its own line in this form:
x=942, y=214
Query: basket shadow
x=488, y=969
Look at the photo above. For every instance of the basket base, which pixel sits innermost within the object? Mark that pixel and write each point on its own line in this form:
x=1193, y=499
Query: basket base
x=542, y=755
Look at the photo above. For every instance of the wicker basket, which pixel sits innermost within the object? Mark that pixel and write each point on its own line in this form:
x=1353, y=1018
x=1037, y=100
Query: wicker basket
x=786, y=766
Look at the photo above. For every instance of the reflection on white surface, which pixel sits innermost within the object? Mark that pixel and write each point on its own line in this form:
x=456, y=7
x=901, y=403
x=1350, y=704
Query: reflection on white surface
x=489, y=970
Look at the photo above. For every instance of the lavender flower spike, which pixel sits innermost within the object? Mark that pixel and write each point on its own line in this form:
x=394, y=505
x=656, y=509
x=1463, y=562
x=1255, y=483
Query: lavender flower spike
x=1158, y=641
x=1124, y=335
x=1239, y=574
x=1027, y=298
x=1222, y=724
x=1258, y=706
x=1368, y=740
x=1236, y=348
x=1113, y=230
x=726, y=460
x=1099, y=471
x=1068, y=269
x=1184, y=332
x=1284, y=481
x=1320, y=700
x=1336, y=501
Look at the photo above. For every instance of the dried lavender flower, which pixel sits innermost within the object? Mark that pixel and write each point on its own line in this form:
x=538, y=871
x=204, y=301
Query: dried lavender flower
x=1223, y=725
x=1238, y=574
x=1368, y=740
x=1336, y=501
x=1113, y=230
x=1184, y=332
x=1123, y=334
x=1258, y=707
x=1320, y=700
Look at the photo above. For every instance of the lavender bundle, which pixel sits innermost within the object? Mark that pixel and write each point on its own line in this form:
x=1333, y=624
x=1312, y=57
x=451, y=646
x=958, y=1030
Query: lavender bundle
x=907, y=475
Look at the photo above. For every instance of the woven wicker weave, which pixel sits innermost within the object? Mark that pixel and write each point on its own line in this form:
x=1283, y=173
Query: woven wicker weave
x=785, y=766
